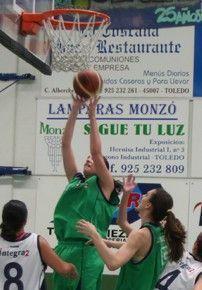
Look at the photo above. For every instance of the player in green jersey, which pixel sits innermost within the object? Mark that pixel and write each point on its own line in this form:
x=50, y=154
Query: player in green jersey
x=90, y=195
x=143, y=257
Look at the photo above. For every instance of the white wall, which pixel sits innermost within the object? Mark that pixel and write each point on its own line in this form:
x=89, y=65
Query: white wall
x=7, y=123
x=17, y=121
x=17, y=148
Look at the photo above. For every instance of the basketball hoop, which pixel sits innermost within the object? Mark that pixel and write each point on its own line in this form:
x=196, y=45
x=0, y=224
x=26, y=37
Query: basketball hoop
x=73, y=35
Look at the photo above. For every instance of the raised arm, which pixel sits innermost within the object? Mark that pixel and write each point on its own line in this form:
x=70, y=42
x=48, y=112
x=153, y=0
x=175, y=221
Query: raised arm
x=52, y=260
x=105, y=177
x=67, y=152
x=122, y=221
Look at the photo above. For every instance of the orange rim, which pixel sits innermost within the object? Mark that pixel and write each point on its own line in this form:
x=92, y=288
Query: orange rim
x=39, y=17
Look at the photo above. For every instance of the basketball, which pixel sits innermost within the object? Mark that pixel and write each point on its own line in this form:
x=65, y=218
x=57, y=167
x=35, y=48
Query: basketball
x=87, y=83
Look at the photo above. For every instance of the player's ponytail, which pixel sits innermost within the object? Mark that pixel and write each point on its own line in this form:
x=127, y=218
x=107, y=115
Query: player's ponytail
x=175, y=235
x=14, y=217
x=197, y=249
x=174, y=231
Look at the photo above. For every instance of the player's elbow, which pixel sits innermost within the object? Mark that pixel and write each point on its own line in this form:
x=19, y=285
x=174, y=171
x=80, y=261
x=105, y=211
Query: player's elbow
x=66, y=144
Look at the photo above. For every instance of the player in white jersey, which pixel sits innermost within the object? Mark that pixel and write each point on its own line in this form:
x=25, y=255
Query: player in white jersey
x=187, y=273
x=24, y=256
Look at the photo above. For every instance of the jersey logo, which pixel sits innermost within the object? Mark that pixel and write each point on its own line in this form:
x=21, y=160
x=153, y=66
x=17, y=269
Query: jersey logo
x=13, y=253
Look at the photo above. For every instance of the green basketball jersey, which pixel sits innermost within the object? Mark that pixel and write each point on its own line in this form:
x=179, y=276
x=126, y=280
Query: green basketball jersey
x=143, y=275
x=83, y=199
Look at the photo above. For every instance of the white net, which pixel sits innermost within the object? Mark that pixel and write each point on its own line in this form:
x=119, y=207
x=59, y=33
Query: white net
x=71, y=49
x=54, y=150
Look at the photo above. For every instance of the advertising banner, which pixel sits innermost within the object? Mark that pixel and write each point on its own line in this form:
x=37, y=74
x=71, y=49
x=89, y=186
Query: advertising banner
x=145, y=138
x=149, y=62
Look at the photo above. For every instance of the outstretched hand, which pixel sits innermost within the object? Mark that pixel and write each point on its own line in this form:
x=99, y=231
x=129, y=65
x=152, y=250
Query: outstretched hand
x=78, y=101
x=128, y=183
x=86, y=228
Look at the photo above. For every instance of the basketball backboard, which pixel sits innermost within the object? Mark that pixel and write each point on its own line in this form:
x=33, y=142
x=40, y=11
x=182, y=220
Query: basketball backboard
x=34, y=49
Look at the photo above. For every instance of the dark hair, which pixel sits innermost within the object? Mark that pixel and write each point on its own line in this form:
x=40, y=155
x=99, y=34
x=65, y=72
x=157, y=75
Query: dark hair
x=106, y=162
x=14, y=216
x=118, y=185
x=175, y=233
x=199, y=246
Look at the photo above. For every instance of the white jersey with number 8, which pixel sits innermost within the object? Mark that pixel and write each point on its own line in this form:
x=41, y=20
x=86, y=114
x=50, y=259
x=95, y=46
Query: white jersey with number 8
x=21, y=267
x=180, y=276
